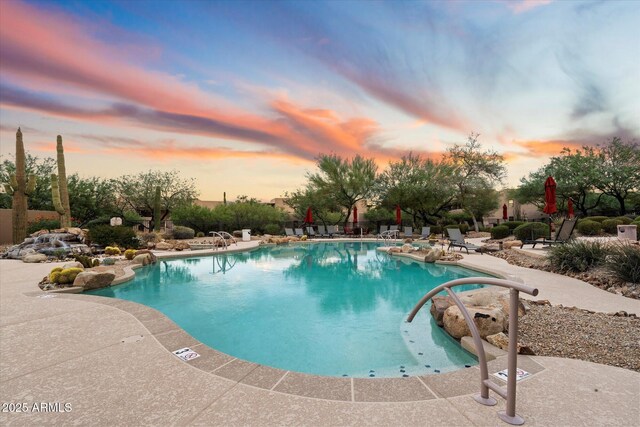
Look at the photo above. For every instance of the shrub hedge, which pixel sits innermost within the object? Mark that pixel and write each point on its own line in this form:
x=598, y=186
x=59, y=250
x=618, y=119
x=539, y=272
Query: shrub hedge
x=180, y=233
x=513, y=224
x=577, y=255
x=500, y=232
x=611, y=225
x=588, y=227
x=120, y=235
x=623, y=262
x=625, y=219
x=272, y=229
x=43, y=224
x=598, y=218
x=531, y=231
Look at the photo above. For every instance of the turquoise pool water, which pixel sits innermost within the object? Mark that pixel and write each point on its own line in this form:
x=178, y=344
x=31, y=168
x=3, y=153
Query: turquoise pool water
x=336, y=309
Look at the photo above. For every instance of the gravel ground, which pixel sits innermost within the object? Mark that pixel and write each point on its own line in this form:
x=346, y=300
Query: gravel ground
x=610, y=339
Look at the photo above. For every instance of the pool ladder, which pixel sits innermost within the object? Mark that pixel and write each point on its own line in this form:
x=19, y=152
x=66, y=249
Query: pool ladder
x=509, y=394
x=224, y=236
x=388, y=236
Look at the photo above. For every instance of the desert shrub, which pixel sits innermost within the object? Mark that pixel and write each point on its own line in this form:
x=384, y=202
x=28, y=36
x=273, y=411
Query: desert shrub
x=55, y=274
x=199, y=234
x=531, y=231
x=588, y=227
x=84, y=260
x=272, y=229
x=112, y=250
x=500, y=232
x=129, y=254
x=513, y=224
x=599, y=218
x=42, y=224
x=68, y=275
x=611, y=225
x=577, y=255
x=623, y=262
x=625, y=219
x=150, y=237
x=180, y=233
x=95, y=262
x=120, y=235
x=108, y=261
x=436, y=229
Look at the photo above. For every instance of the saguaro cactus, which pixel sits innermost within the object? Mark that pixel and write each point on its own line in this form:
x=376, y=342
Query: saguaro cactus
x=20, y=188
x=156, y=211
x=59, y=192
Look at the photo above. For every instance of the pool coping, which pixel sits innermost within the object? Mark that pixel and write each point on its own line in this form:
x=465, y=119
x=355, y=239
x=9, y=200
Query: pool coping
x=172, y=337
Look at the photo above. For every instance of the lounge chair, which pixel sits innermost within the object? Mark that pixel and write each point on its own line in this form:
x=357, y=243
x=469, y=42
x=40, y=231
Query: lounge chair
x=393, y=228
x=311, y=232
x=425, y=233
x=456, y=240
x=289, y=232
x=332, y=230
x=322, y=232
x=562, y=235
x=299, y=232
x=408, y=232
x=383, y=228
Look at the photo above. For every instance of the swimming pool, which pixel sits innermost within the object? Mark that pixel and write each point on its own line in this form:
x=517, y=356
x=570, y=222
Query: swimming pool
x=336, y=309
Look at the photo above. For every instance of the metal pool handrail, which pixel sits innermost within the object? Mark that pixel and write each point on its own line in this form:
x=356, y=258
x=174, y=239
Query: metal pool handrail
x=386, y=236
x=222, y=235
x=509, y=394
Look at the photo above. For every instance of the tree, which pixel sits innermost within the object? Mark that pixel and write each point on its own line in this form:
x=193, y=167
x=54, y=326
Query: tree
x=91, y=198
x=137, y=192
x=474, y=170
x=345, y=181
x=421, y=187
x=323, y=206
x=40, y=199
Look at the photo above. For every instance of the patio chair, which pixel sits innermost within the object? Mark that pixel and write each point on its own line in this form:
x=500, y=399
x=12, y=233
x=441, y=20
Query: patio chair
x=408, y=232
x=311, y=232
x=562, y=235
x=289, y=232
x=322, y=231
x=332, y=230
x=456, y=240
x=383, y=228
x=425, y=233
x=298, y=232
x=393, y=228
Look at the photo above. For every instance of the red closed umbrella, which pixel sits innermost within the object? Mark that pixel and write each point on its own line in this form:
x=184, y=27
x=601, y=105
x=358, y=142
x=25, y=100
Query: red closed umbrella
x=570, y=208
x=355, y=215
x=550, y=196
x=309, y=217
x=504, y=212
x=398, y=215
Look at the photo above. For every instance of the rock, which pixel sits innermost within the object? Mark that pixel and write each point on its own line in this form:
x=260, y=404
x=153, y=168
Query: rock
x=39, y=233
x=164, y=246
x=237, y=233
x=406, y=248
x=153, y=259
x=433, y=255
x=439, y=305
x=511, y=244
x=74, y=264
x=151, y=245
x=34, y=257
x=491, y=247
x=500, y=340
x=488, y=321
x=180, y=246
x=75, y=231
x=93, y=279
x=394, y=249
x=143, y=259
x=408, y=240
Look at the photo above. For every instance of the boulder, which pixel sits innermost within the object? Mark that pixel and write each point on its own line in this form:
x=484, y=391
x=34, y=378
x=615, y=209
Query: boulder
x=394, y=249
x=74, y=264
x=164, y=246
x=500, y=340
x=489, y=321
x=94, y=280
x=34, y=257
x=152, y=258
x=433, y=255
x=143, y=259
x=180, y=246
x=511, y=244
x=39, y=233
x=406, y=248
x=237, y=233
x=439, y=305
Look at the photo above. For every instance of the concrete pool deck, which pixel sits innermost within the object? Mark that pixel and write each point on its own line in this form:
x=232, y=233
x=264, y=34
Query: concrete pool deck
x=111, y=360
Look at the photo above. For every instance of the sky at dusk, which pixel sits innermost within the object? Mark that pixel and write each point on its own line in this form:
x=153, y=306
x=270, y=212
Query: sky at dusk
x=243, y=95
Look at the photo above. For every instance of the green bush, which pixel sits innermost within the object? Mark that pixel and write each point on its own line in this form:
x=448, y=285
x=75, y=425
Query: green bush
x=180, y=233
x=199, y=234
x=436, y=229
x=68, y=275
x=610, y=226
x=120, y=235
x=42, y=224
x=500, y=232
x=513, y=224
x=577, y=255
x=273, y=229
x=595, y=218
x=625, y=219
x=531, y=231
x=86, y=261
x=129, y=254
x=623, y=262
x=589, y=228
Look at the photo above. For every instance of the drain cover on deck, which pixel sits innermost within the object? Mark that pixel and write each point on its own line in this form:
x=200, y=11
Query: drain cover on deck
x=520, y=374
x=133, y=338
x=186, y=354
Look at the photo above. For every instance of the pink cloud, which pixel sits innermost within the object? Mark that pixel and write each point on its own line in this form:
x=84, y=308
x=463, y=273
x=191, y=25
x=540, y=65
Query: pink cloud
x=521, y=6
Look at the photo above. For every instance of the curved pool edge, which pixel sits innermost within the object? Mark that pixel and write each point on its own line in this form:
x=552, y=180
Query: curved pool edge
x=172, y=337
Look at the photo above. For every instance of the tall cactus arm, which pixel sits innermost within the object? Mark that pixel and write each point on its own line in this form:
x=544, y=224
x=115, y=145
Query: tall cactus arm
x=8, y=189
x=31, y=185
x=55, y=194
x=13, y=181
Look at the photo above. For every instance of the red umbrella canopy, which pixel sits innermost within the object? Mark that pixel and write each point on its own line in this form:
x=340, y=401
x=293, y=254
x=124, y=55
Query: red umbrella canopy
x=309, y=217
x=504, y=211
x=355, y=214
x=398, y=215
x=570, y=208
x=550, y=196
